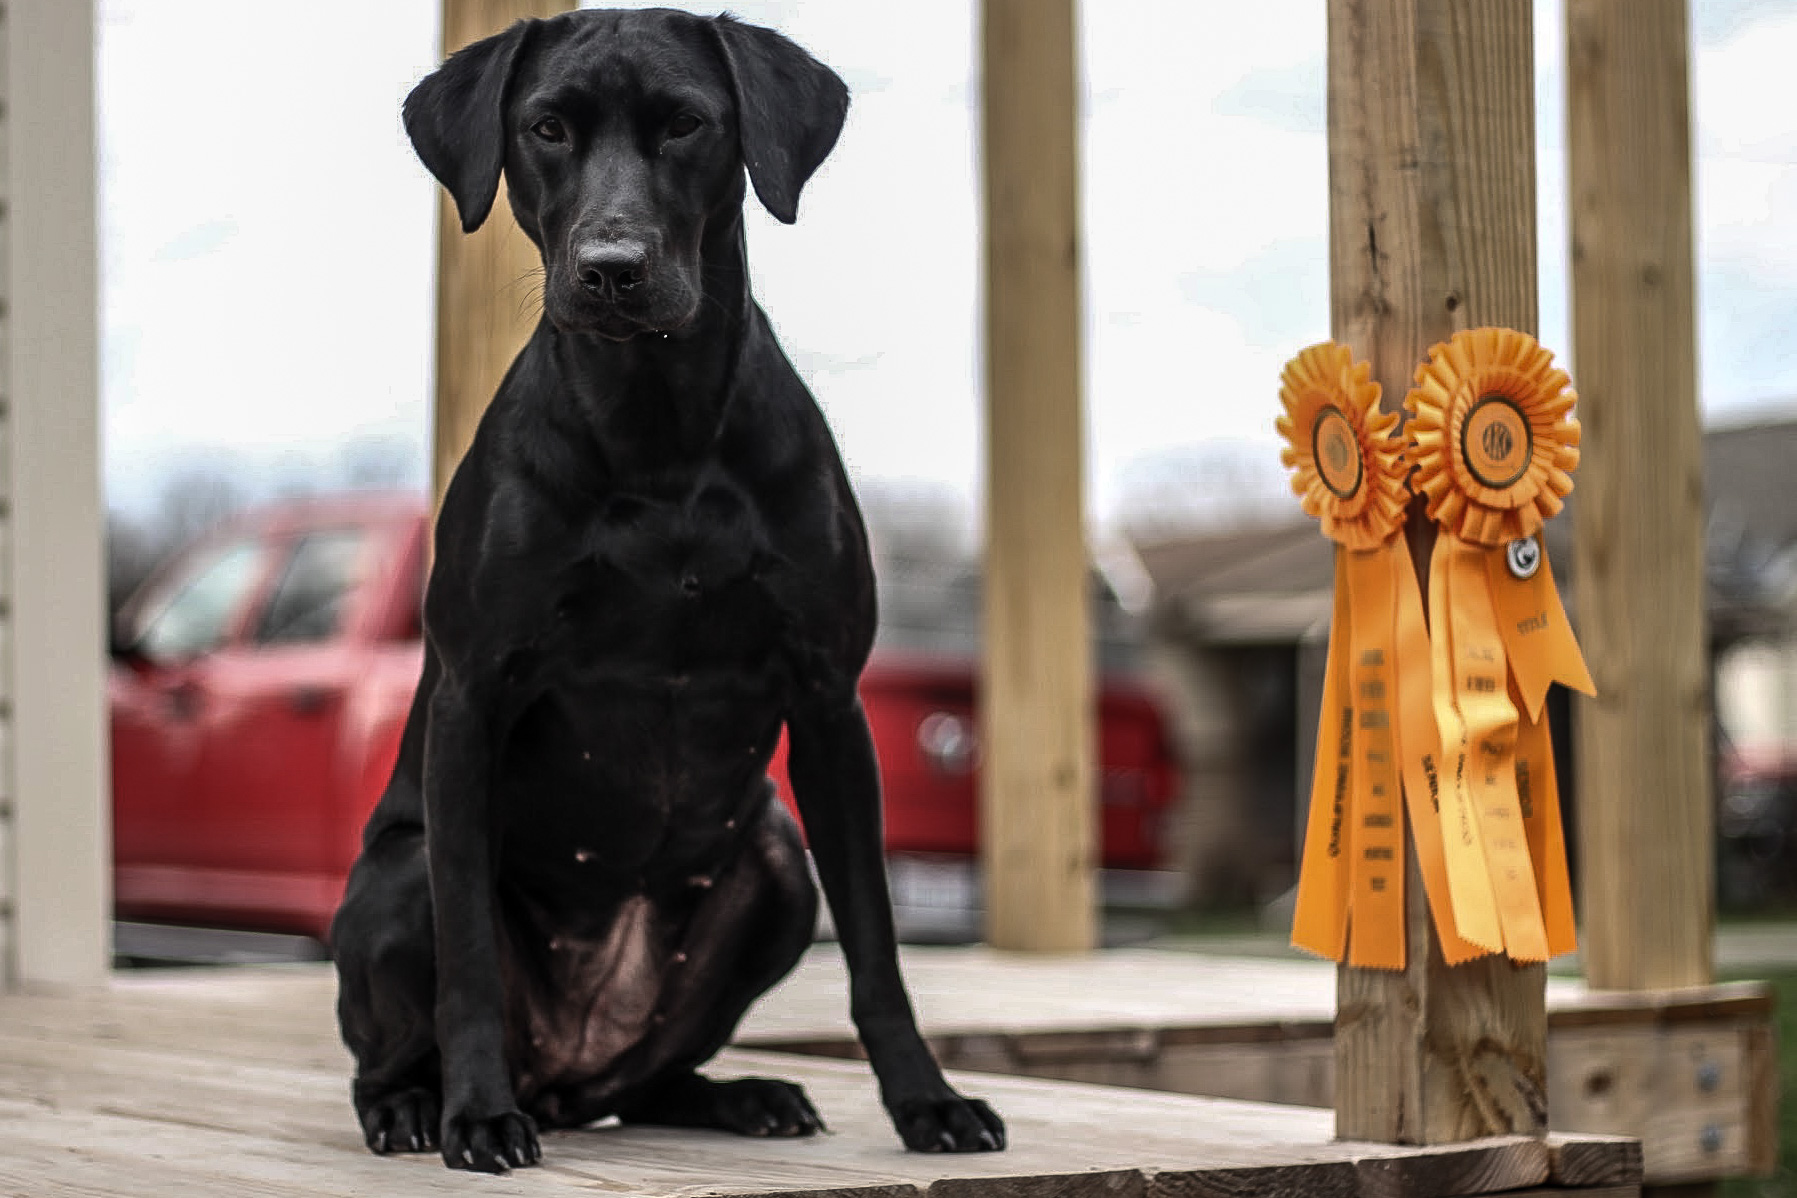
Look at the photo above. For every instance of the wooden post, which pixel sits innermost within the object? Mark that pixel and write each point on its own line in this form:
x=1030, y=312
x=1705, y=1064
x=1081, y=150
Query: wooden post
x=1644, y=785
x=489, y=282
x=1038, y=816
x=1432, y=229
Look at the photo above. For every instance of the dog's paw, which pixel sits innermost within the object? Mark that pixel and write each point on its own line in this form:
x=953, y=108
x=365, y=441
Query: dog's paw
x=404, y=1121
x=948, y=1124
x=490, y=1145
x=759, y=1106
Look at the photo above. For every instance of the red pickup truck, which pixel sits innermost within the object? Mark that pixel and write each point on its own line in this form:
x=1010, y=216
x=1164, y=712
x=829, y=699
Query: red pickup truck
x=261, y=678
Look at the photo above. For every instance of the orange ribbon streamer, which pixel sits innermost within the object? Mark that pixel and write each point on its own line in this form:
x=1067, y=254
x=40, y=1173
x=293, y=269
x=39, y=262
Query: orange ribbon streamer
x=1348, y=466
x=1494, y=444
x=1426, y=783
x=1320, y=918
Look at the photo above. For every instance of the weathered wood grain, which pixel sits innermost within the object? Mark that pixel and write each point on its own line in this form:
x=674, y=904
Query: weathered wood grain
x=1432, y=229
x=1762, y=1099
x=1689, y=1070
x=1644, y=779
x=1184, y=1023
x=1505, y=1163
x=1038, y=808
x=1587, y=1160
x=127, y=1093
x=1644, y=783
x=1684, y=1088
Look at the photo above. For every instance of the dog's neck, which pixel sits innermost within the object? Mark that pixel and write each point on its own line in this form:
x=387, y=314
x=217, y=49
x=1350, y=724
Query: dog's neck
x=658, y=401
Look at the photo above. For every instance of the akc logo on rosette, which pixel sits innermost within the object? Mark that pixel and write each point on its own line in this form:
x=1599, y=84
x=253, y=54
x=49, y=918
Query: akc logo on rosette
x=1494, y=443
x=1349, y=468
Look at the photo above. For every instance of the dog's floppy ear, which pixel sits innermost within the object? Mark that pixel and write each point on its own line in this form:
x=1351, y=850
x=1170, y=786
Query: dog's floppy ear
x=456, y=120
x=789, y=111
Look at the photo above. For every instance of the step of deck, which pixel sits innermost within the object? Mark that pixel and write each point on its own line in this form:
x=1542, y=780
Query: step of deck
x=1690, y=1072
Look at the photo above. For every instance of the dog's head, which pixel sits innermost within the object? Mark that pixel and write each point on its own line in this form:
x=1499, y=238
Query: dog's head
x=623, y=137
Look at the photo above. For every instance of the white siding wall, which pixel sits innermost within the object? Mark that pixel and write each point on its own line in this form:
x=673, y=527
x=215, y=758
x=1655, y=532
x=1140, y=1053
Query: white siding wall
x=7, y=964
x=52, y=651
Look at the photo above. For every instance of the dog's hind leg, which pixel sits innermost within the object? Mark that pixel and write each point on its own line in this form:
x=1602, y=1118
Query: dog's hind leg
x=754, y=924
x=386, y=994
x=749, y=1106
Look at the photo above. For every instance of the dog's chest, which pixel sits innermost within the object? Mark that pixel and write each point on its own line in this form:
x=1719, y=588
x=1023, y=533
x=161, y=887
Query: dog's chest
x=658, y=687
x=670, y=585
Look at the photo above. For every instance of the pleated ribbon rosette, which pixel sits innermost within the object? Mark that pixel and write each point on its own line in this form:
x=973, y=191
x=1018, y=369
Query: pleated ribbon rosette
x=1348, y=466
x=1494, y=442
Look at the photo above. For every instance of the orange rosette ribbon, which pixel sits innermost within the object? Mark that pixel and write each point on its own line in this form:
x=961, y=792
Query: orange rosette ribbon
x=1348, y=465
x=1494, y=443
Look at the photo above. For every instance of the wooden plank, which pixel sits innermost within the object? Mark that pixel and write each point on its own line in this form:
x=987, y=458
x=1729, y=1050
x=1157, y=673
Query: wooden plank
x=976, y=990
x=1684, y=1004
x=1340, y=1180
x=489, y=282
x=150, y=1023
x=1583, y=1161
x=1038, y=806
x=1432, y=229
x=1484, y=1167
x=1179, y=997
x=1644, y=784
x=1762, y=1099
x=1258, y=1031
x=87, y=1112
x=1685, y=1090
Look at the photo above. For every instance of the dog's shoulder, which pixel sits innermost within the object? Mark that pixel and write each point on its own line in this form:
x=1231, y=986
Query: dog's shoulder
x=781, y=443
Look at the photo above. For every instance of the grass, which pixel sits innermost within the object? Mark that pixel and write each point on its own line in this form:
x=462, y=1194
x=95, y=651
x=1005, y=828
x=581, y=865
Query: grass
x=1783, y=1182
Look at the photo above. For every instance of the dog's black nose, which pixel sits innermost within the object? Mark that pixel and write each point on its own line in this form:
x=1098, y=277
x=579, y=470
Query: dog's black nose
x=609, y=269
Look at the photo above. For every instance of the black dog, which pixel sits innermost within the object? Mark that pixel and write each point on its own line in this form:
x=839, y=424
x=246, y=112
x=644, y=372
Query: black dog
x=579, y=877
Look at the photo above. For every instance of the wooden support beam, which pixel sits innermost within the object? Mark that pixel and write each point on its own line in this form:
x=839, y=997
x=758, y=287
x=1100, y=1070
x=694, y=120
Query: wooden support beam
x=1644, y=784
x=1432, y=229
x=1038, y=815
x=489, y=282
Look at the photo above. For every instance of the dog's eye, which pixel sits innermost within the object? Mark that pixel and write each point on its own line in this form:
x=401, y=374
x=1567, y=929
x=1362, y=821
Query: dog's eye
x=684, y=125
x=550, y=129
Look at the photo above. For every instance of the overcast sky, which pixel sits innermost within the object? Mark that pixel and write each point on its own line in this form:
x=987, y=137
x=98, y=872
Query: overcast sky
x=267, y=233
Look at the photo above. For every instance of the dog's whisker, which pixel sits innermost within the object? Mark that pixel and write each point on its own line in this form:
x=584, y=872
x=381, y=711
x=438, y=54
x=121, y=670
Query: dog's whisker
x=705, y=297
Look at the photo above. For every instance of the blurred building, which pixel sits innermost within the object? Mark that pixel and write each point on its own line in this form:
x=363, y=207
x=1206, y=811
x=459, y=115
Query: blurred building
x=1749, y=471
x=1238, y=630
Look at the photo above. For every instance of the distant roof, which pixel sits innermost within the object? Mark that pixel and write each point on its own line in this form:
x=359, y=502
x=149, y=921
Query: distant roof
x=1259, y=585
x=1271, y=558
x=1750, y=477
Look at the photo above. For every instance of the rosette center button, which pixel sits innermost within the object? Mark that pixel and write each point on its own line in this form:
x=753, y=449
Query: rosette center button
x=1496, y=442
x=1337, y=453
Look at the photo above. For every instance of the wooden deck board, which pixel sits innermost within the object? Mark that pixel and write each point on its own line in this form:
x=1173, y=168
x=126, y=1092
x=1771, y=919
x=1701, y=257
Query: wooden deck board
x=1689, y=1071
x=233, y=1082
x=1151, y=988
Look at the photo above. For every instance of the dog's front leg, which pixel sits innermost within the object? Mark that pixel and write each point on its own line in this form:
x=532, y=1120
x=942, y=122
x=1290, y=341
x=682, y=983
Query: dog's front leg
x=837, y=784
x=482, y=1127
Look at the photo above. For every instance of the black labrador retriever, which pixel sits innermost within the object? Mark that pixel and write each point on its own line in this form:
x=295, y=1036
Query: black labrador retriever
x=579, y=876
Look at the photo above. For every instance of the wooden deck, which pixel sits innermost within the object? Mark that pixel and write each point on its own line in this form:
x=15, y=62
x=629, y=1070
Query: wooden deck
x=1692, y=1073
x=232, y=1082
